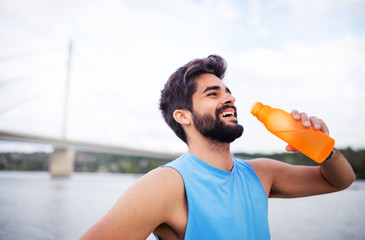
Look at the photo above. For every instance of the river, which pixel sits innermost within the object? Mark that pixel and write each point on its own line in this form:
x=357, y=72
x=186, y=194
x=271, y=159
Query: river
x=35, y=206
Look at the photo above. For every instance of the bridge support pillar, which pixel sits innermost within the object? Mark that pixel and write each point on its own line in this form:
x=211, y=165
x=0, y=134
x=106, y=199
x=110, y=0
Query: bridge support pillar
x=62, y=162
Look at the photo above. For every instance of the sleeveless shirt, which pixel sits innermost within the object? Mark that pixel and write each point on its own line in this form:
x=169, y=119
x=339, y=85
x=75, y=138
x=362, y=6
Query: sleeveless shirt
x=222, y=204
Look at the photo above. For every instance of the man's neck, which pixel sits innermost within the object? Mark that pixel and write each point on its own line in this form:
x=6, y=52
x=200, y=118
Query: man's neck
x=214, y=153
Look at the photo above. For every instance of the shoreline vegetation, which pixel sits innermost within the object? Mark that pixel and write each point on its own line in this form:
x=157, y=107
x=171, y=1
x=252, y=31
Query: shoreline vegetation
x=102, y=162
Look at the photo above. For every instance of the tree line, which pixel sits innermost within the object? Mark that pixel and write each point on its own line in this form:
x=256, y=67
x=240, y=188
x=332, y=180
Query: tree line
x=103, y=162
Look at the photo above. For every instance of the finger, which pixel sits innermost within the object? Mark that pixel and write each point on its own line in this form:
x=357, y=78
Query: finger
x=295, y=114
x=316, y=123
x=305, y=120
x=324, y=127
x=290, y=149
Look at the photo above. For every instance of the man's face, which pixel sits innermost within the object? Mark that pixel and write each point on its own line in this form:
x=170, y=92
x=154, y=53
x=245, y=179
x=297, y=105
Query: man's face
x=214, y=113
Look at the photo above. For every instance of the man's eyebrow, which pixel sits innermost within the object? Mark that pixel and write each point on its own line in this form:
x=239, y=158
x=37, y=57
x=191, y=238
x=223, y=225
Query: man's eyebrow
x=215, y=88
x=211, y=88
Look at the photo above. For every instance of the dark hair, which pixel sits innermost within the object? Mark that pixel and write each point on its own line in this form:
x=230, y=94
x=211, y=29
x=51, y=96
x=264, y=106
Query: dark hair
x=180, y=87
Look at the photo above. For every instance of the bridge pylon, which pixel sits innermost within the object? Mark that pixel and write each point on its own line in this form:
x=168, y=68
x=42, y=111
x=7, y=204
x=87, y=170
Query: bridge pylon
x=62, y=162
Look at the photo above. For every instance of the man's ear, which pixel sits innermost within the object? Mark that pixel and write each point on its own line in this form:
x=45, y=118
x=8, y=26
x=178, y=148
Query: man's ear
x=182, y=116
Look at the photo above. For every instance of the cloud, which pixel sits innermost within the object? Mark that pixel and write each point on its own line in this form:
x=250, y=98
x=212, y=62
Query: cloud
x=290, y=54
x=324, y=80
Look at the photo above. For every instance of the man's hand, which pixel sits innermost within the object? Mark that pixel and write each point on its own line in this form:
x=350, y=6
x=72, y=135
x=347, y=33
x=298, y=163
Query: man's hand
x=314, y=122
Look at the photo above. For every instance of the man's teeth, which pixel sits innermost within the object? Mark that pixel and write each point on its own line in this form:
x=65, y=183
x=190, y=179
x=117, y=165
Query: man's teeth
x=227, y=114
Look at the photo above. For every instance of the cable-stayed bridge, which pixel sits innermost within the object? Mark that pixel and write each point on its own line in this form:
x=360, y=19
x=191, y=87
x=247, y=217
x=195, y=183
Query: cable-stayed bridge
x=62, y=159
x=21, y=87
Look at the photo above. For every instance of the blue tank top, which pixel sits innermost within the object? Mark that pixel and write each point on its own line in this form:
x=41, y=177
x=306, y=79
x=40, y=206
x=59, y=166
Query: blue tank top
x=221, y=204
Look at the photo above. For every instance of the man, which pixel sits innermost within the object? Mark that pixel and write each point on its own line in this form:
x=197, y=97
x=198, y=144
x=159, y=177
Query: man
x=206, y=193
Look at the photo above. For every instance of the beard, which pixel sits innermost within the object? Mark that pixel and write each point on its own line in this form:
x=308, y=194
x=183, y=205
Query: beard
x=215, y=129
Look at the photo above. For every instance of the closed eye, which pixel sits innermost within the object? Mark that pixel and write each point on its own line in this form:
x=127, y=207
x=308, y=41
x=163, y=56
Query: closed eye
x=212, y=94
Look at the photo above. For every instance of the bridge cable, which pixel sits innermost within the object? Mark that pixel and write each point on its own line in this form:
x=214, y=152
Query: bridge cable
x=29, y=54
x=104, y=102
x=25, y=100
x=101, y=99
x=12, y=80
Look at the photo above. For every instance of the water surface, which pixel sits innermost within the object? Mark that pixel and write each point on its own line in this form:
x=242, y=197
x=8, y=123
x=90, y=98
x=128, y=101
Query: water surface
x=35, y=206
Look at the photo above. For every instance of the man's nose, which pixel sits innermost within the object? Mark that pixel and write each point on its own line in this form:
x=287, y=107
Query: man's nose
x=228, y=99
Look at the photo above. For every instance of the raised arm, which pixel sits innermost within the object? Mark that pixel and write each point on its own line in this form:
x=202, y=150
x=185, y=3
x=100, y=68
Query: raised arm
x=285, y=180
x=336, y=170
x=142, y=208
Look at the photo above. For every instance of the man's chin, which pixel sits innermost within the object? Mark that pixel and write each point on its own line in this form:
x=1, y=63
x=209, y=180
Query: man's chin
x=228, y=119
x=229, y=133
x=230, y=122
x=233, y=122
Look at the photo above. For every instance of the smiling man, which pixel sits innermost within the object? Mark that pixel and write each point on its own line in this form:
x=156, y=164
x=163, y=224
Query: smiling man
x=206, y=193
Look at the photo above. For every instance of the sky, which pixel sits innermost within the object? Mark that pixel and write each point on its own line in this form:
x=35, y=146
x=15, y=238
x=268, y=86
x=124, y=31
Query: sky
x=305, y=55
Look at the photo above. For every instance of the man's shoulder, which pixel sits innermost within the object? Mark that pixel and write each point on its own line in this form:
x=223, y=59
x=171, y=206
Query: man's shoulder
x=162, y=186
x=263, y=165
x=164, y=180
x=266, y=167
x=163, y=175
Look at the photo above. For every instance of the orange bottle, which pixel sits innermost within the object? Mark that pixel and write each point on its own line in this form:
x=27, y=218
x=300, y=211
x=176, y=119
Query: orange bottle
x=312, y=143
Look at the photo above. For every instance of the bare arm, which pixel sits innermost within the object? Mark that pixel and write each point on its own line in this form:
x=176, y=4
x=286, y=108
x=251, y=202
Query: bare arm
x=337, y=171
x=141, y=209
x=289, y=181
